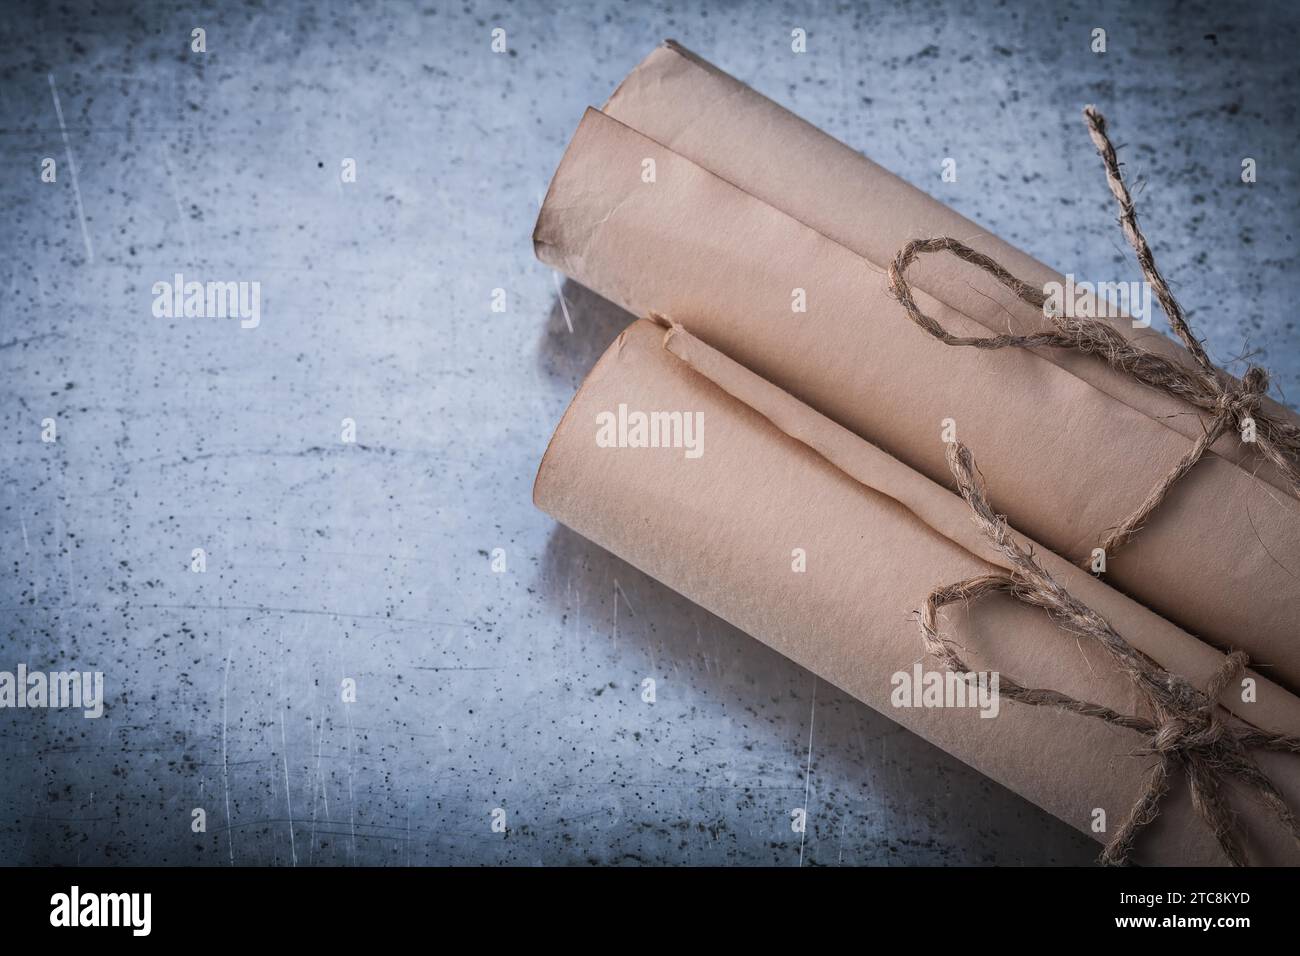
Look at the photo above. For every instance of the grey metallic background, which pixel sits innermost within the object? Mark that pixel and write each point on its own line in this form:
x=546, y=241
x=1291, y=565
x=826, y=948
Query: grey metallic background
x=479, y=690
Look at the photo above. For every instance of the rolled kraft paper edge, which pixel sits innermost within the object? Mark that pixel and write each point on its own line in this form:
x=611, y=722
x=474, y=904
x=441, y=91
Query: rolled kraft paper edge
x=595, y=223
x=551, y=243
x=708, y=534
x=724, y=119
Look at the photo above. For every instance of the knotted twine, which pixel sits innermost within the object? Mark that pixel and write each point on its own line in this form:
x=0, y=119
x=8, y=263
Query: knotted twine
x=1229, y=401
x=1185, y=730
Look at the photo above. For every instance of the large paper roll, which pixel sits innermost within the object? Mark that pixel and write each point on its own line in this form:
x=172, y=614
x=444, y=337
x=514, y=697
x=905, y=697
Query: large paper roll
x=719, y=515
x=745, y=204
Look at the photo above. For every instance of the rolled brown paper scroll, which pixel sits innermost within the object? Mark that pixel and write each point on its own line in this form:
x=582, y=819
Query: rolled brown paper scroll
x=774, y=475
x=750, y=203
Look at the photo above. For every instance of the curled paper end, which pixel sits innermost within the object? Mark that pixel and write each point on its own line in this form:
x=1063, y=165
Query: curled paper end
x=670, y=326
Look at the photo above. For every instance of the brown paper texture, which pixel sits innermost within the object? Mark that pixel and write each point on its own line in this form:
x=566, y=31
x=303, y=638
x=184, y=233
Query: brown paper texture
x=750, y=203
x=775, y=475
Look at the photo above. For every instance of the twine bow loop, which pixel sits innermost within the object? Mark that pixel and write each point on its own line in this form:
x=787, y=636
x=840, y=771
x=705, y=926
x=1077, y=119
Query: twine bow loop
x=1229, y=402
x=1186, y=728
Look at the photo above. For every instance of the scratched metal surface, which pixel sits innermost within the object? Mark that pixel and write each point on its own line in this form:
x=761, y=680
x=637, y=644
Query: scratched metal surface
x=328, y=561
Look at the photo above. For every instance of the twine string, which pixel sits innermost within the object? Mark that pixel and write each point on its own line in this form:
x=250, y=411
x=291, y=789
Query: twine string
x=1230, y=403
x=1186, y=730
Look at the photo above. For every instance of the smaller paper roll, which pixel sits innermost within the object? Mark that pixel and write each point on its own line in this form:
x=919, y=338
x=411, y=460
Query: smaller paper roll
x=774, y=476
